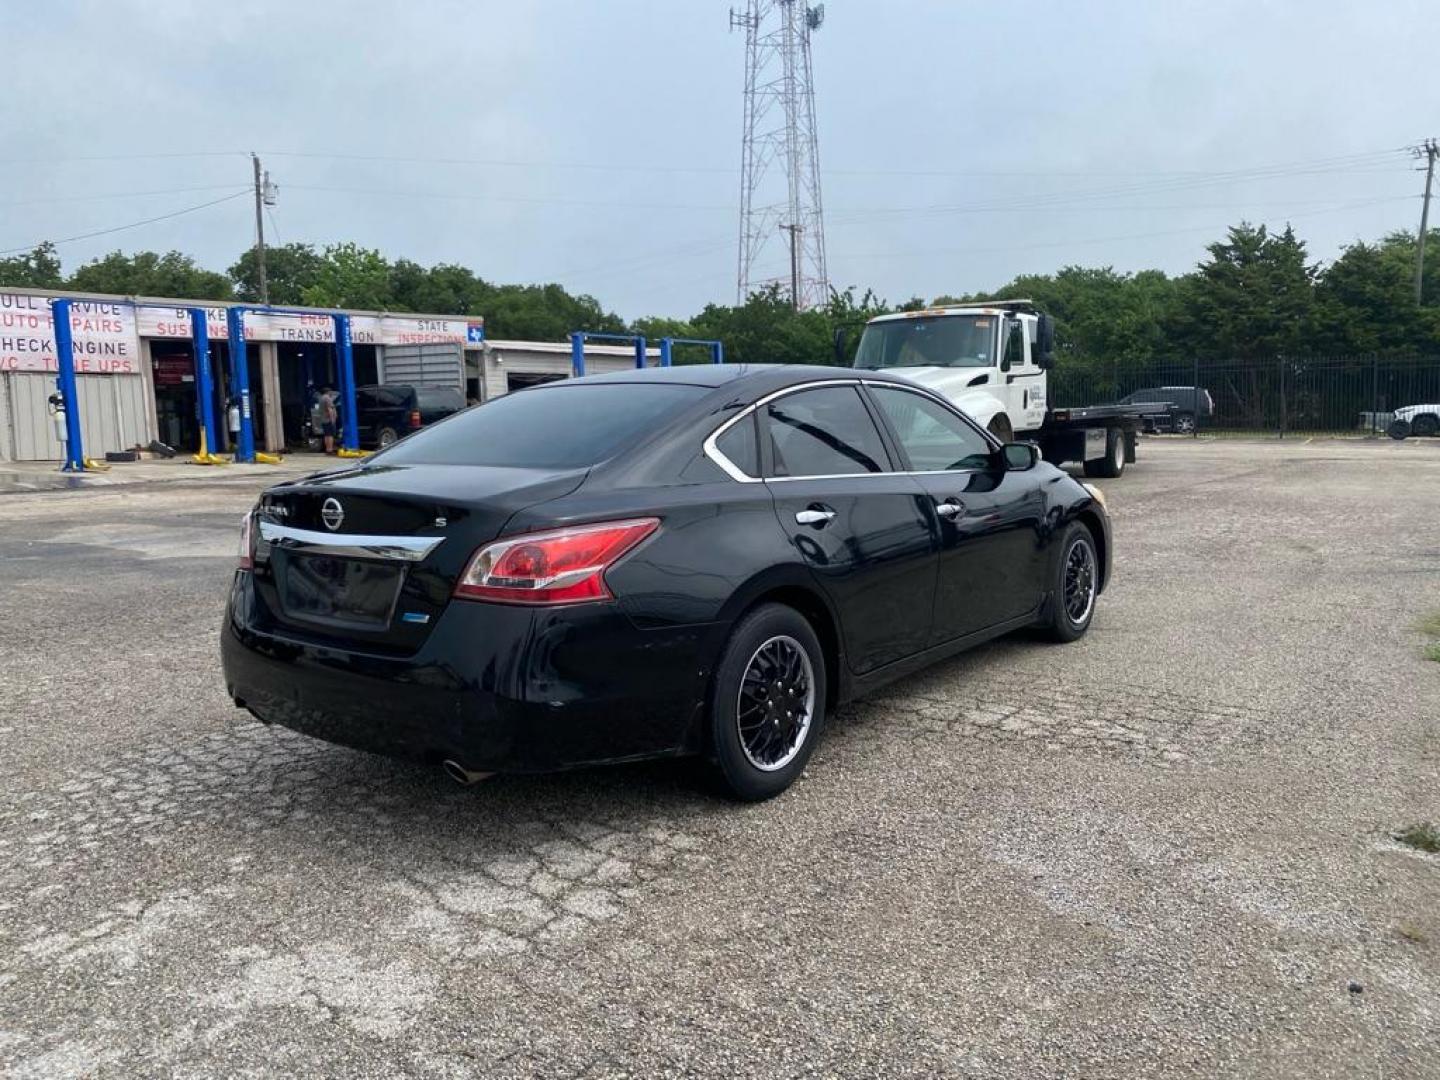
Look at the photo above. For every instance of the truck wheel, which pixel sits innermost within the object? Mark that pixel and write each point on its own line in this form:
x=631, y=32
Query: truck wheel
x=1424, y=426
x=1001, y=429
x=388, y=437
x=1113, y=463
x=1184, y=423
x=1075, y=586
x=1398, y=429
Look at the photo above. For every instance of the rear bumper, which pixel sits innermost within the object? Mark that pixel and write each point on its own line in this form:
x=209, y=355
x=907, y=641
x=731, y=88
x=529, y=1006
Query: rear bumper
x=496, y=688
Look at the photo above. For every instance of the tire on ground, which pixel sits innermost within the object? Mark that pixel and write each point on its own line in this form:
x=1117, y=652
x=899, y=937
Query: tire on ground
x=1060, y=626
x=1112, y=464
x=1425, y=425
x=1398, y=429
x=737, y=775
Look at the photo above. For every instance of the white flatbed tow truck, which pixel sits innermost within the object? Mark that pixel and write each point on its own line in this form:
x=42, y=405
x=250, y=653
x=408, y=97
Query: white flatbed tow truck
x=991, y=361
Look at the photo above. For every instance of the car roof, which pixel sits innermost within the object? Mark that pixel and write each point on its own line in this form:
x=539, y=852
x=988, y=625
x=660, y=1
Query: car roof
x=717, y=375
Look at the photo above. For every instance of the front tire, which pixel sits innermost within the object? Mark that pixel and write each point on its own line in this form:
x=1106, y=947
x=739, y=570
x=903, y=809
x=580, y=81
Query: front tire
x=1076, y=585
x=1398, y=430
x=768, y=703
x=1424, y=426
x=1184, y=423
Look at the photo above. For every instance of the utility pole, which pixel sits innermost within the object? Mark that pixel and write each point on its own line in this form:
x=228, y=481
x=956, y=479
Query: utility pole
x=1429, y=150
x=260, y=200
x=794, y=231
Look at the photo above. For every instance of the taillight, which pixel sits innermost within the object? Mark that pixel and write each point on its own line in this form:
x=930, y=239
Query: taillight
x=247, y=542
x=415, y=419
x=562, y=566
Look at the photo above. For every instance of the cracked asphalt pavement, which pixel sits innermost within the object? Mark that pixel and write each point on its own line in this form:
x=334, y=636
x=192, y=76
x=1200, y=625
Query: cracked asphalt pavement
x=1163, y=851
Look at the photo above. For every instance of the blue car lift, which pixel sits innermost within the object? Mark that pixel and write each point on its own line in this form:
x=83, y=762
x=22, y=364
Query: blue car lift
x=240, y=379
x=577, y=348
x=667, y=345
x=65, y=384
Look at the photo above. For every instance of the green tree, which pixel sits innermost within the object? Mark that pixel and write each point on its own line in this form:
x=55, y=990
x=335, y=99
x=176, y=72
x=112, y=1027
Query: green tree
x=349, y=276
x=148, y=273
x=289, y=270
x=37, y=269
x=544, y=313
x=767, y=330
x=1254, y=297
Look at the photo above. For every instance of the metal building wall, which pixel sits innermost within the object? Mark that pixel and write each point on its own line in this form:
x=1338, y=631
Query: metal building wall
x=424, y=365
x=7, y=432
x=115, y=414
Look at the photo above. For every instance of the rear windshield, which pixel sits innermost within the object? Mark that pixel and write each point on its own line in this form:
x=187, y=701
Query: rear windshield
x=438, y=397
x=549, y=427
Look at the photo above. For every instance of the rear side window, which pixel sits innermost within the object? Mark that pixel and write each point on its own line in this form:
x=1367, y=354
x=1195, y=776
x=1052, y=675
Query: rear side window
x=738, y=444
x=824, y=432
x=551, y=427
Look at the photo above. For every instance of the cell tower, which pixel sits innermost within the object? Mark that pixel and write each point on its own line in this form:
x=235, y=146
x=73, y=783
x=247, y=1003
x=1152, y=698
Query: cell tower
x=782, y=230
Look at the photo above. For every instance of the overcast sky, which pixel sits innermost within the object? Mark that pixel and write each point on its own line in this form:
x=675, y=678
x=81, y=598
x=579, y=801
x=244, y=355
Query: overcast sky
x=597, y=143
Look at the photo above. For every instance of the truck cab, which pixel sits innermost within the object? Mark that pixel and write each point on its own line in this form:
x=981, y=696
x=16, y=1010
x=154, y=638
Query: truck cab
x=990, y=360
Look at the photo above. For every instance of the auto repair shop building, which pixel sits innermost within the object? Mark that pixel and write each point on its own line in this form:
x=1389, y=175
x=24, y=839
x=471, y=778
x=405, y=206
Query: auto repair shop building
x=135, y=367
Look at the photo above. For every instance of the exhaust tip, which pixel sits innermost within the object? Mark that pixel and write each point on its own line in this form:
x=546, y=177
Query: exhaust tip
x=461, y=775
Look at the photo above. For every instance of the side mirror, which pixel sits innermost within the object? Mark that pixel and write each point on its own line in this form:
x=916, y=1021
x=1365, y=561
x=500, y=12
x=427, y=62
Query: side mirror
x=1020, y=456
x=1045, y=342
x=841, y=339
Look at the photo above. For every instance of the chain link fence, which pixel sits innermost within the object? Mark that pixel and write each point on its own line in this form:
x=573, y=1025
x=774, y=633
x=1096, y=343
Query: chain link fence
x=1278, y=396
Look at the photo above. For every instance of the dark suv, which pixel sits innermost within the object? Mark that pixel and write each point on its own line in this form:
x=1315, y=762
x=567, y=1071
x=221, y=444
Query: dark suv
x=1189, y=405
x=390, y=411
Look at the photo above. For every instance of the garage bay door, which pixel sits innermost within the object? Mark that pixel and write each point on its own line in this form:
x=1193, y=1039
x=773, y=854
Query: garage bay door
x=425, y=365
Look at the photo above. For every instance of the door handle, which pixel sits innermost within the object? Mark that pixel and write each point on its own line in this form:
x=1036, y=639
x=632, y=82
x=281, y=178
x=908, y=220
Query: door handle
x=950, y=508
x=814, y=516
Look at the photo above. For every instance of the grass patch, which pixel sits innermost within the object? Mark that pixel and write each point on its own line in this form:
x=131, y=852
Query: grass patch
x=1432, y=651
x=1430, y=625
x=1423, y=836
x=1413, y=934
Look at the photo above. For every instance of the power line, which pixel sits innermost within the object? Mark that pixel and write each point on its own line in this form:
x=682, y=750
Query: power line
x=133, y=225
x=1354, y=205
x=121, y=157
x=116, y=195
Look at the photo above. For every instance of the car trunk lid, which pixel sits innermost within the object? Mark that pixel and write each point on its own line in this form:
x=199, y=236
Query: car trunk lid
x=368, y=557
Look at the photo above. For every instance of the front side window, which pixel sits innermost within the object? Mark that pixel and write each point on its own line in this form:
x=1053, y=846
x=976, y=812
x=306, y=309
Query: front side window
x=933, y=438
x=824, y=432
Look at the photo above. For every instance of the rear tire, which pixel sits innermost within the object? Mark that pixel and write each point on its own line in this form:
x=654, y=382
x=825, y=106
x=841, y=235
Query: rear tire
x=387, y=436
x=1424, y=426
x=1113, y=463
x=1076, y=585
x=1398, y=429
x=1184, y=423
x=768, y=703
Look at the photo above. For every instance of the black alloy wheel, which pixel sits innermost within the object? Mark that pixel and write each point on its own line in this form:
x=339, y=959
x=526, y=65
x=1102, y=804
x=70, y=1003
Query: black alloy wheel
x=1076, y=585
x=768, y=702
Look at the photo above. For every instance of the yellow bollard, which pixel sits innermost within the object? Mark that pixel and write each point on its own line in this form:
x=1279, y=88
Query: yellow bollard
x=342, y=452
x=91, y=465
x=204, y=457
x=262, y=458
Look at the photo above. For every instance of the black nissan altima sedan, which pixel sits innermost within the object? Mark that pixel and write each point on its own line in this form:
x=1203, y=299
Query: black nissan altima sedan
x=693, y=560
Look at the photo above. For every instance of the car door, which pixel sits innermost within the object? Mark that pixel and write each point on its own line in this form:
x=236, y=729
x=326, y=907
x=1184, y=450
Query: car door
x=863, y=528
x=1024, y=380
x=990, y=521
